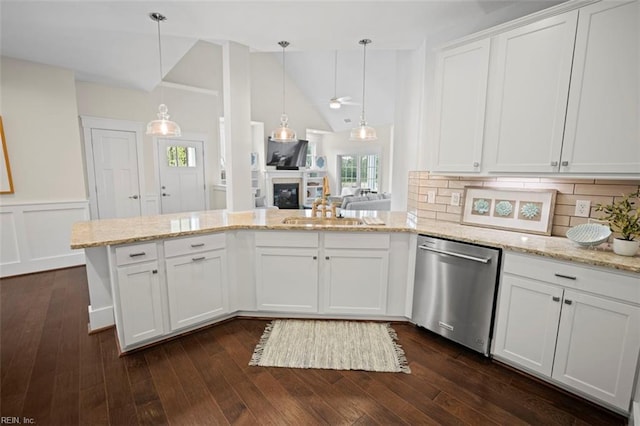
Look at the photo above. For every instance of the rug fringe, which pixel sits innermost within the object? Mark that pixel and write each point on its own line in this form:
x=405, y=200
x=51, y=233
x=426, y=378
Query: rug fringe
x=402, y=358
x=257, y=353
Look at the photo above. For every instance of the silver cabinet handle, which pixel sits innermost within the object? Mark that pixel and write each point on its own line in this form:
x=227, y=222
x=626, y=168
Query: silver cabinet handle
x=327, y=257
x=197, y=245
x=568, y=277
x=565, y=163
x=555, y=298
x=568, y=302
x=476, y=164
x=460, y=255
x=134, y=197
x=554, y=163
x=195, y=259
x=137, y=254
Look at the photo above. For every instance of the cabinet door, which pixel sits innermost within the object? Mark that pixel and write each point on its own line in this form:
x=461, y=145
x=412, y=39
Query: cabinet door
x=602, y=133
x=139, y=302
x=287, y=279
x=461, y=90
x=528, y=95
x=598, y=344
x=527, y=323
x=197, y=288
x=355, y=281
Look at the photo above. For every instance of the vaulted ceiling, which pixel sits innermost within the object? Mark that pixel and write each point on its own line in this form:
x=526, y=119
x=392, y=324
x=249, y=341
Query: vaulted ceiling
x=115, y=42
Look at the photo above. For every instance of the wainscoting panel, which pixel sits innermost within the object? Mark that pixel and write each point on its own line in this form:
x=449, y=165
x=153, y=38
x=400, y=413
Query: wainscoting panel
x=9, y=250
x=151, y=205
x=36, y=236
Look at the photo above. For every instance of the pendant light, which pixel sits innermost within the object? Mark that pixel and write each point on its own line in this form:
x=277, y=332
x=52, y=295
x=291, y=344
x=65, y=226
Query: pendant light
x=284, y=133
x=162, y=126
x=363, y=132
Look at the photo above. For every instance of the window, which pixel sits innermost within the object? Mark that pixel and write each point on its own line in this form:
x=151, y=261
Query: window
x=360, y=171
x=311, y=153
x=181, y=156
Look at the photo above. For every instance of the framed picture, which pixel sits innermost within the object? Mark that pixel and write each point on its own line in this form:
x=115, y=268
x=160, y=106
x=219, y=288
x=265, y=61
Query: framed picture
x=320, y=162
x=528, y=210
x=6, y=182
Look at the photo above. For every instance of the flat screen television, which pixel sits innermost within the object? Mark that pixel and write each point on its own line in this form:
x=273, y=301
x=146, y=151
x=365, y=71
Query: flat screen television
x=287, y=154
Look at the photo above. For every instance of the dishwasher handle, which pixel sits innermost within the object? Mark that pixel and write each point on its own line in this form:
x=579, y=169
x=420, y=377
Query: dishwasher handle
x=454, y=254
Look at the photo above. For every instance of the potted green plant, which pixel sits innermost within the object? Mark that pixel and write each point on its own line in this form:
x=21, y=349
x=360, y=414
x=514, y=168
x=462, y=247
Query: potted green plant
x=624, y=220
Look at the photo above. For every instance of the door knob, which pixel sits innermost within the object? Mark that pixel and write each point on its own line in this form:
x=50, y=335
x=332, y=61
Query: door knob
x=476, y=164
x=165, y=194
x=134, y=197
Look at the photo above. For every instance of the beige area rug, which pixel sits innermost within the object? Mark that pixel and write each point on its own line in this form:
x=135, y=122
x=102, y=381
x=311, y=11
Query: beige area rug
x=335, y=345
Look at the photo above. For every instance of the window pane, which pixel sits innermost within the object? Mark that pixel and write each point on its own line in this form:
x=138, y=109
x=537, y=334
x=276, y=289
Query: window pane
x=181, y=156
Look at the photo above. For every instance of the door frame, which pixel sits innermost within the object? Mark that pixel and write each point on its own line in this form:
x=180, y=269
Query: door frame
x=202, y=137
x=89, y=123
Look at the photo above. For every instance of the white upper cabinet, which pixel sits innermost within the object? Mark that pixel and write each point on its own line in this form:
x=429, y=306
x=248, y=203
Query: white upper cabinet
x=602, y=130
x=528, y=95
x=461, y=90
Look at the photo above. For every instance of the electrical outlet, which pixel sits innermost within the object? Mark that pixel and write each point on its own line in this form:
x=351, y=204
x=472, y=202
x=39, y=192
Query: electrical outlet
x=431, y=197
x=583, y=208
x=455, y=198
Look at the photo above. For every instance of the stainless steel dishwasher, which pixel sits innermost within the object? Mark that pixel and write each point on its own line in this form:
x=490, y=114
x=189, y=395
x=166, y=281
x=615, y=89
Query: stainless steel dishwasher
x=455, y=290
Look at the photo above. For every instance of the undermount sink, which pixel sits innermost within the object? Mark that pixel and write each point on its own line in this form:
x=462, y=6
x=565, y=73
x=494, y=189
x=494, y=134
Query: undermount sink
x=333, y=221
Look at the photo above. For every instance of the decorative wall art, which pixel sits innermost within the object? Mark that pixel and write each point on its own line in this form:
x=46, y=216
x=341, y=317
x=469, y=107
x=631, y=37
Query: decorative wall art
x=511, y=209
x=6, y=182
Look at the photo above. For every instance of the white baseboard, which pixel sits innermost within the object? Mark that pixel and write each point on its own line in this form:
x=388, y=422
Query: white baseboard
x=36, y=236
x=100, y=318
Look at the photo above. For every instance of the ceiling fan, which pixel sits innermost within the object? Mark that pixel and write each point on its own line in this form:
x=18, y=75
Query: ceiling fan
x=337, y=102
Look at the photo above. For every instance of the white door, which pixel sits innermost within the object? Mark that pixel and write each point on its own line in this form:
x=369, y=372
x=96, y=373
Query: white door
x=140, y=302
x=115, y=165
x=287, y=279
x=461, y=91
x=527, y=96
x=197, y=288
x=598, y=343
x=181, y=167
x=527, y=323
x=356, y=281
x=603, y=115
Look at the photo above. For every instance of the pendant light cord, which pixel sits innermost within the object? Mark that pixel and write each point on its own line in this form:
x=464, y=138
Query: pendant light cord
x=364, y=43
x=283, y=75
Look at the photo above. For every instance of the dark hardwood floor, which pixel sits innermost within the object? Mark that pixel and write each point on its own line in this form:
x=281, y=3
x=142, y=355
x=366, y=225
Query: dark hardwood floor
x=53, y=372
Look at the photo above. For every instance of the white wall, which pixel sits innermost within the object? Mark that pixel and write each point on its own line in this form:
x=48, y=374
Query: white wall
x=334, y=144
x=407, y=136
x=40, y=120
x=266, y=98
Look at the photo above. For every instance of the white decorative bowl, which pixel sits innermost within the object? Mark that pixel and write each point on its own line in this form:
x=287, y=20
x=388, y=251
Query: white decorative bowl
x=589, y=234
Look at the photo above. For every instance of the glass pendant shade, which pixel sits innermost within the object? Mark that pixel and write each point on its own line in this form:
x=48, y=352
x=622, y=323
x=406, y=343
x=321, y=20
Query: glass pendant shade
x=163, y=126
x=334, y=103
x=363, y=132
x=284, y=133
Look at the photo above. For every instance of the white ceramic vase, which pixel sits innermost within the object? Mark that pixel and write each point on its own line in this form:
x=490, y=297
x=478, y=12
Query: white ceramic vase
x=625, y=247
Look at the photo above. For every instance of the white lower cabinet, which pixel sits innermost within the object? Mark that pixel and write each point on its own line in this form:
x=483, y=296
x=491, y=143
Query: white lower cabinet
x=576, y=326
x=355, y=281
x=196, y=288
x=138, y=294
x=287, y=279
x=328, y=273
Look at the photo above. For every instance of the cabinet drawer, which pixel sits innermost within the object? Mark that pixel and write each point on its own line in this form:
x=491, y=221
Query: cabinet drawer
x=610, y=283
x=356, y=240
x=287, y=239
x=196, y=244
x=126, y=255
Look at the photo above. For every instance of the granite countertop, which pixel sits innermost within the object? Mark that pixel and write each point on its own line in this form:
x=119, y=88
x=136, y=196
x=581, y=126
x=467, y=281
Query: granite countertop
x=129, y=230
